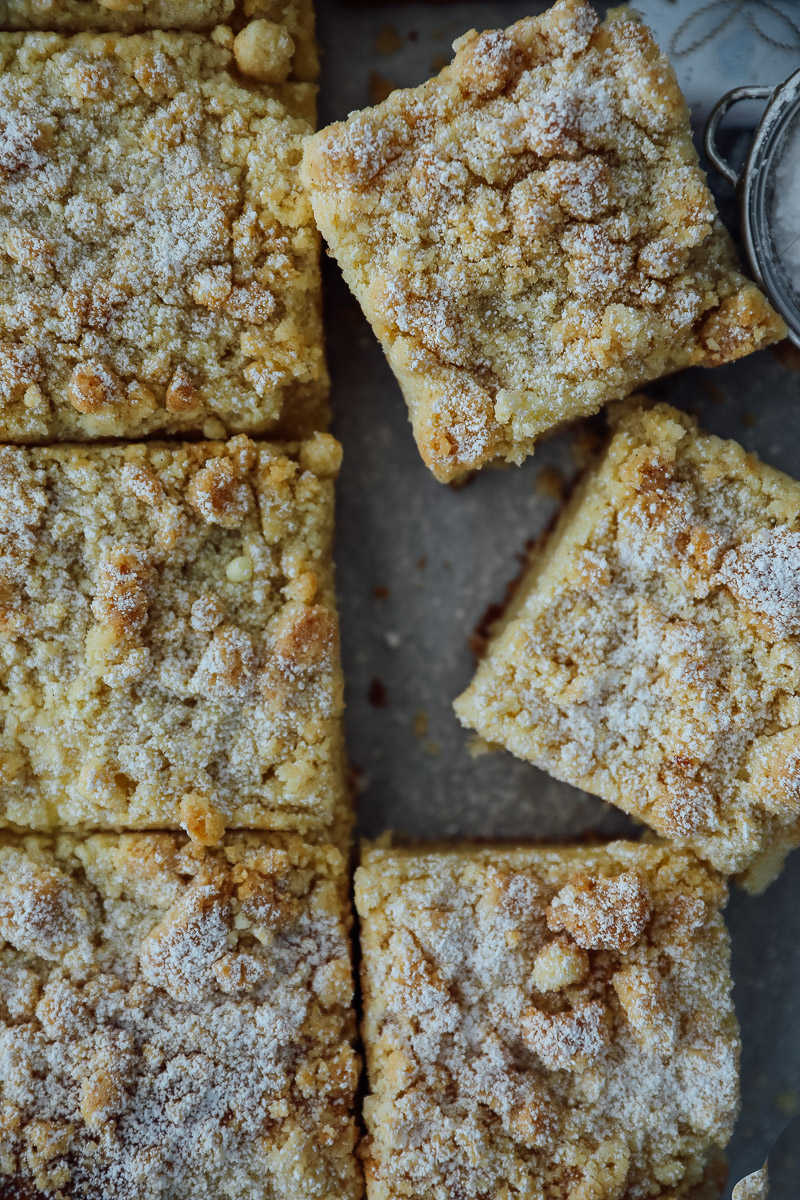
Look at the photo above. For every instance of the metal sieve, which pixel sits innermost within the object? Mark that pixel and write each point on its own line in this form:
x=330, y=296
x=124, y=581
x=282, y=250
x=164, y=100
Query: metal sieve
x=754, y=184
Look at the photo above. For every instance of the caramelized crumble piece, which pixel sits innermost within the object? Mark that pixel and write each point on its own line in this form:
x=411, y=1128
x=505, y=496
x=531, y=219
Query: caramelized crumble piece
x=506, y=1060
x=653, y=652
x=168, y=637
x=160, y=260
x=530, y=233
x=600, y=913
x=175, y=1021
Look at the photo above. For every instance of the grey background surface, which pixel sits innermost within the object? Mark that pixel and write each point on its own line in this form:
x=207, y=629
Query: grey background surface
x=418, y=563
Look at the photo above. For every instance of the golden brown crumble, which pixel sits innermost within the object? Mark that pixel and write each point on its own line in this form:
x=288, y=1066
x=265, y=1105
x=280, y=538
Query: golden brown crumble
x=175, y=1021
x=280, y=45
x=121, y=16
x=530, y=233
x=168, y=637
x=754, y=1186
x=496, y=1070
x=602, y=914
x=652, y=656
x=159, y=255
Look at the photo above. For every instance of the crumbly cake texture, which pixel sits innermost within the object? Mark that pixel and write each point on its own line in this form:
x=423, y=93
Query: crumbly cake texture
x=264, y=26
x=530, y=234
x=121, y=16
x=175, y=1021
x=652, y=653
x=289, y=23
x=168, y=637
x=754, y=1186
x=160, y=266
x=545, y=1022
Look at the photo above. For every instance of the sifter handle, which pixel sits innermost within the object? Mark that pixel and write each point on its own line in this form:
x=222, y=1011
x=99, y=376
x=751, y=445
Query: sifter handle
x=748, y=92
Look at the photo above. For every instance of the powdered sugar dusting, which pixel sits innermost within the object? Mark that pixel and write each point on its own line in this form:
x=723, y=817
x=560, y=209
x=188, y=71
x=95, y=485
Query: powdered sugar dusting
x=764, y=575
x=185, y=597
x=532, y=228
x=566, y=1041
x=602, y=914
x=754, y=1186
x=647, y=663
x=160, y=262
x=158, y=1023
x=482, y=1082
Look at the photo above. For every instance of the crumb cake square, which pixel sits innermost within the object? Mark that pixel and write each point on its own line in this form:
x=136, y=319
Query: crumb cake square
x=175, y=1022
x=168, y=637
x=651, y=654
x=160, y=268
x=282, y=44
x=548, y=1022
x=530, y=233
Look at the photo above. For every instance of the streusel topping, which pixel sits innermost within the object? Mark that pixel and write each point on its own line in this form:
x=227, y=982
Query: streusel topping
x=160, y=256
x=754, y=1186
x=521, y=1040
x=654, y=658
x=122, y=16
x=168, y=636
x=175, y=1021
x=280, y=46
x=530, y=233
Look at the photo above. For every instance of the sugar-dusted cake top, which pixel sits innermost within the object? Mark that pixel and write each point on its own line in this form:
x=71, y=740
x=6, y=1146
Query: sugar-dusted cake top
x=168, y=636
x=653, y=655
x=530, y=233
x=174, y=1021
x=160, y=266
x=280, y=46
x=754, y=1186
x=548, y=1021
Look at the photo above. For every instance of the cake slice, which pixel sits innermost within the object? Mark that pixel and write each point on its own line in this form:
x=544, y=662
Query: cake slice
x=281, y=45
x=120, y=16
x=174, y=1021
x=168, y=637
x=160, y=266
x=545, y=1022
x=651, y=654
x=754, y=1186
x=530, y=233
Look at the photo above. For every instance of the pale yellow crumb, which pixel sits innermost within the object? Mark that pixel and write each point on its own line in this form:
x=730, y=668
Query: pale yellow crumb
x=651, y=654
x=531, y=235
x=168, y=637
x=160, y=260
x=187, y=1010
x=545, y=1021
